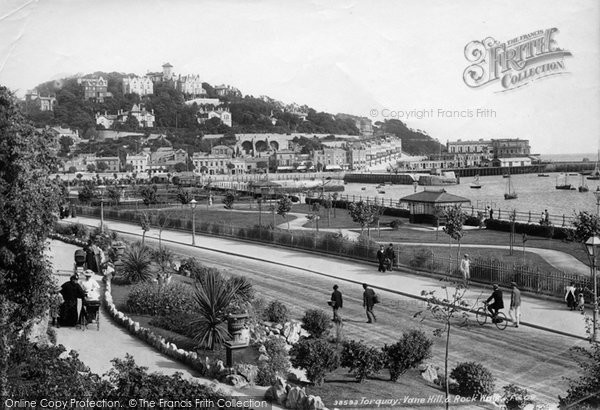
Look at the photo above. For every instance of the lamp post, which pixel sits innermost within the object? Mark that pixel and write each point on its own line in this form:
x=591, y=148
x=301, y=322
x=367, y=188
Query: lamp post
x=193, y=205
x=591, y=245
x=597, y=195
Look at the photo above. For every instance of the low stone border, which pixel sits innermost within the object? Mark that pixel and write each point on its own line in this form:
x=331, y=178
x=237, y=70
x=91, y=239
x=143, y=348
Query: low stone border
x=146, y=335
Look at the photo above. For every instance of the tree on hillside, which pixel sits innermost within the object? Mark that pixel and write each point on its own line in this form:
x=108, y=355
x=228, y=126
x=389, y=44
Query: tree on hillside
x=65, y=144
x=28, y=206
x=101, y=166
x=91, y=167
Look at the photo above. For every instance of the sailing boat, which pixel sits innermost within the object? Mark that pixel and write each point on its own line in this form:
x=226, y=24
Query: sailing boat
x=583, y=187
x=510, y=192
x=565, y=184
x=475, y=184
x=596, y=174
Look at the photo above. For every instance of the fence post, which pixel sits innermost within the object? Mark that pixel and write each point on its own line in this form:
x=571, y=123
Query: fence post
x=499, y=214
x=563, y=224
x=529, y=219
x=472, y=211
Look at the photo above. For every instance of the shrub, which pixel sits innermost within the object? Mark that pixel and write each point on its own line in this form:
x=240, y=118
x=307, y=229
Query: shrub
x=137, y=260
x=412, y=348
x=79, y=230
x=178, y=322
x=361, y=360
x=473, y=379
x=317, y=357
x=152, y=299
x=316, y=322
x=396, y=223
x=278, y=363
x=516, y=397
x=276, y=312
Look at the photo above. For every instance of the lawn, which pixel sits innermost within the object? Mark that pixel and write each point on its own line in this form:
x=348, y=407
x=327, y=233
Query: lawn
x=411, y=391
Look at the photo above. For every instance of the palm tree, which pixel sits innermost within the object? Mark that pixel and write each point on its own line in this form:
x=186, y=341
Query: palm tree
x=212, y=297
x=137, y=261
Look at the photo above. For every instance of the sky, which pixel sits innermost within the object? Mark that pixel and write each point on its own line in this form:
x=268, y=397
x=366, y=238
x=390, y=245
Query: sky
x=379, y=59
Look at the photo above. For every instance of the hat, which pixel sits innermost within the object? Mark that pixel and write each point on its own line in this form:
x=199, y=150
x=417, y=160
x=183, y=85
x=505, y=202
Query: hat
x=466, y=255
x=495, y=286
x=513, y=284
x=88, y=273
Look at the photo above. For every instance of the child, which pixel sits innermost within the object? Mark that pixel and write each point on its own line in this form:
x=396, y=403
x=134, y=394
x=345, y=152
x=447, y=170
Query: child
x=580, y=303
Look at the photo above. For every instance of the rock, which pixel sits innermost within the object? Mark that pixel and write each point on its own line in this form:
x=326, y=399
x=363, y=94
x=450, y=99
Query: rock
x=136, y=327
x=277, y=326
x=314, y=403
x=296, y=398
x=263, y=358
x=236, y=380
x=430, y=374
x=248, y=371
x=291, y=332
x=219, y=366
x=277, y=393
x=262, y=349
x=275, y=332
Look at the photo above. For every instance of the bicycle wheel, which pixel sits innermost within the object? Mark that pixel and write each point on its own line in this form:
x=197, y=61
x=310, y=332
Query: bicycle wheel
x=501, y=321
x=481, y=316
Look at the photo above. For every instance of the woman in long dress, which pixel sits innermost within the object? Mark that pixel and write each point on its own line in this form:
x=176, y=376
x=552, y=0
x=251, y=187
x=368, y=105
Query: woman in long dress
x=71, y=292
x=570, y=297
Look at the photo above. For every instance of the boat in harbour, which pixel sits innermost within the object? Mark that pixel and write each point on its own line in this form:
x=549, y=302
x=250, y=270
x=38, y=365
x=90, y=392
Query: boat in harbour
x=510, y=191
x=543, y=175
x=583, y=187
x=475, y=184
x=564, y=184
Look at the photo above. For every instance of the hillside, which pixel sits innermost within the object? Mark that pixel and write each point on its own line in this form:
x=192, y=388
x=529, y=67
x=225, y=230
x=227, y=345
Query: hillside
x=249, y=114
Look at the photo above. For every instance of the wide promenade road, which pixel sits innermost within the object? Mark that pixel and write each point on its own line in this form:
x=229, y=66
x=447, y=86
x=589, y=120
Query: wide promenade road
x=530, y=357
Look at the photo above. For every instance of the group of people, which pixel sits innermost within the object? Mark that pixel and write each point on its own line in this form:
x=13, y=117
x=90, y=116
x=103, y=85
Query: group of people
x=386, y=257
x=574, y=298
x=80, y=295
x=497, y=303
x=494, y=303
x=370, y=299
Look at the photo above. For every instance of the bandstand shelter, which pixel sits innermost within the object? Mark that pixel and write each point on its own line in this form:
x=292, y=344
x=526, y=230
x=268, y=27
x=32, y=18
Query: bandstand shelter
x=423, y=205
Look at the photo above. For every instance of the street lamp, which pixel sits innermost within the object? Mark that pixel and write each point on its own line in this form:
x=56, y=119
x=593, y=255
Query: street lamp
x=597, y=195
x=591, y=245
x=193, y=205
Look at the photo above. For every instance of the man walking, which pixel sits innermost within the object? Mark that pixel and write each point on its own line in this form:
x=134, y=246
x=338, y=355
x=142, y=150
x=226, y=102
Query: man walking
x=391, y=255
x=336, y=303
x=381, y=258
x=369, y=302
x=515, y=304
x=465, y=269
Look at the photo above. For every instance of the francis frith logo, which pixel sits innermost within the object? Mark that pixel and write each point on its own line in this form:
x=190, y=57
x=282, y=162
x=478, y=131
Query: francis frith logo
x=514, y=63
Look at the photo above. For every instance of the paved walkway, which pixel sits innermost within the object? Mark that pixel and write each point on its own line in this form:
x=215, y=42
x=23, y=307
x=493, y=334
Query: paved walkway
x=97, y=348
x=546, y=314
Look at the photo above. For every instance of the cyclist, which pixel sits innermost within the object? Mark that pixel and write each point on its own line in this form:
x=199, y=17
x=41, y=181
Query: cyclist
x=498, y=302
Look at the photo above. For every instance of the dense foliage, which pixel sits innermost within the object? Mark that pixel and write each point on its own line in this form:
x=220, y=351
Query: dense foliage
x=316, y=322
x=29, y=202
x=584, y=390
x=361, y=360
x=156, y=300
x=276, y=312
x=317, y=357
x=278, y=363
x=473, y=379
x=412, y=348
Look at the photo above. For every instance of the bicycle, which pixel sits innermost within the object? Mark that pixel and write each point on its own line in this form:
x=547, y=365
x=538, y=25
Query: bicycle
x=499, y=320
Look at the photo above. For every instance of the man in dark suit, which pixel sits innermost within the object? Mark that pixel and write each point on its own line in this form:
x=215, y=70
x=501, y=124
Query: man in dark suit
x=381, y=258
x=498, y=301
x=369, y=302
x=336, y=303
